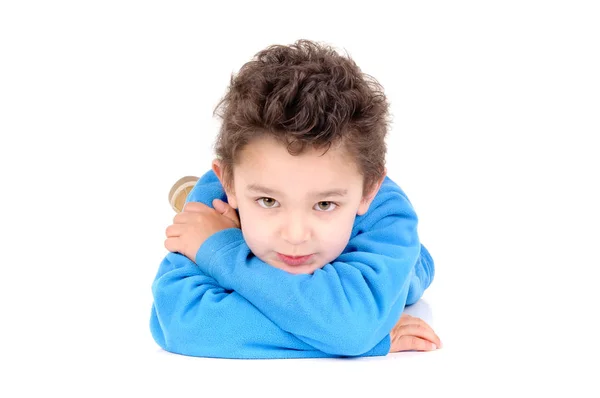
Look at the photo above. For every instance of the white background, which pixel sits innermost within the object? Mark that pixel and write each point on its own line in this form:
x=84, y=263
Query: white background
x=103, y=105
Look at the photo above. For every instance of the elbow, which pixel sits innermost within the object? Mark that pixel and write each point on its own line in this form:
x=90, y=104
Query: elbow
x=414, y=295
x=172, y=333
x=156, y=330
x=428, y=265
x=164, y=334
x=175, y=339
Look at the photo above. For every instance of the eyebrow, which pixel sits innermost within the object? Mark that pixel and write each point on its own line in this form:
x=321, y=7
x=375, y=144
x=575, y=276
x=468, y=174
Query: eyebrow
x=260, y=189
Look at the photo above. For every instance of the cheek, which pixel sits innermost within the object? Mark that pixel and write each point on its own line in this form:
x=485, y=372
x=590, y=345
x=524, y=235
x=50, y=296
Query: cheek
x=334, y=236
x=255, y=231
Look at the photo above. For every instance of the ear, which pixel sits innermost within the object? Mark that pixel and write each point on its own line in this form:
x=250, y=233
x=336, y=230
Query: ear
x=218, y=170
x=368, y=199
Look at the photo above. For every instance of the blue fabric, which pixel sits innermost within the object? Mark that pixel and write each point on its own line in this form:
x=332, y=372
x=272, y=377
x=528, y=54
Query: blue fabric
x=230, y=304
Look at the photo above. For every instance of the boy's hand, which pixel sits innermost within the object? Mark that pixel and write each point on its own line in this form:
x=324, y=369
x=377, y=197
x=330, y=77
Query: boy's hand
x=413, y=334
x=196, y=223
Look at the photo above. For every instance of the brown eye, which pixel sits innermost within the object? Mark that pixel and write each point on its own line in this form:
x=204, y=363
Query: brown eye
x=325, y=206
x=267, y=203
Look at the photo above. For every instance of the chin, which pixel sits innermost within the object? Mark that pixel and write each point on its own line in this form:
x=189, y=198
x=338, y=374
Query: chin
x=308, y=269
x=300, y=270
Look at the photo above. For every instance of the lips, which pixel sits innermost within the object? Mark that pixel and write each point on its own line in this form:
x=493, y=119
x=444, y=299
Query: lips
x=294, y=260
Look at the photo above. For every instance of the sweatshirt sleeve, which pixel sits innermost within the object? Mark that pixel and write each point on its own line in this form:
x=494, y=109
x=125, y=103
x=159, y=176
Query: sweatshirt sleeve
x=193, y=315
x=347, y=307
x=422, y=276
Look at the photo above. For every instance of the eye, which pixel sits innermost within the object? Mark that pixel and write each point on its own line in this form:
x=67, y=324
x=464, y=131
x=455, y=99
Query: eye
x=267, y=203
x=325, y=206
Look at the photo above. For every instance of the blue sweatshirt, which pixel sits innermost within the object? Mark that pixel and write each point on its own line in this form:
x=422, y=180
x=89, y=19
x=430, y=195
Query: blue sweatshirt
x=230, y=304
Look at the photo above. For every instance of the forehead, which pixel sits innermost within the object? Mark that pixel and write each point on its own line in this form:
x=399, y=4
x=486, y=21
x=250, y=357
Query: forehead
x=267, y=162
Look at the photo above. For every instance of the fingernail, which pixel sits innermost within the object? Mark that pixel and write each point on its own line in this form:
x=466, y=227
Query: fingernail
x=433, y=346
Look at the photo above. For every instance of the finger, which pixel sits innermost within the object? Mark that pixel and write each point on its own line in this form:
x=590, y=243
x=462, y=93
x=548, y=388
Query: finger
x=195, y=207
x=406, y=319
x=412, y=343
x=182, y=218
x=219, y=206
x=173, y=245
x=419, y=321
x=174, y=230
x=421, y=330
x=226, y=210
x=189, y=217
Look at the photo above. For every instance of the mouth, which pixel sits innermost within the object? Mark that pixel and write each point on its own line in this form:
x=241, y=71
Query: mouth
x=294, y=260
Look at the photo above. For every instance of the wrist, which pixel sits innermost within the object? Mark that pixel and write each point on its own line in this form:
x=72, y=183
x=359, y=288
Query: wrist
x=215, y=244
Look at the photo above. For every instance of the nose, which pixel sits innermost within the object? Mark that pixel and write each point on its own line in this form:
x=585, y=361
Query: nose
x=295, y=229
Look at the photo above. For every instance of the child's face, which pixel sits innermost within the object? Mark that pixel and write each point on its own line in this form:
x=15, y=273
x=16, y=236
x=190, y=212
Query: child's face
x=296, y=212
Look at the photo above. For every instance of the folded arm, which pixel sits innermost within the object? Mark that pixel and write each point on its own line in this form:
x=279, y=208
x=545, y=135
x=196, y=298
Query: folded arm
x=193, y=315
x=347, y=307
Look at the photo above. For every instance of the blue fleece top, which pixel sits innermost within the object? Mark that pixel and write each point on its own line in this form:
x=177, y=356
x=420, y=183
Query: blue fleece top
x=230, y=304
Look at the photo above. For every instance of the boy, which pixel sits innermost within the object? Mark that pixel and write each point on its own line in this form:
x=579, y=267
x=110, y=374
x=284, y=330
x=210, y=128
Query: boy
x=309, y=249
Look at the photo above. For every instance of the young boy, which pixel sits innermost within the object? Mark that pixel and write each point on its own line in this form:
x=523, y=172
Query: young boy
x=296, y=243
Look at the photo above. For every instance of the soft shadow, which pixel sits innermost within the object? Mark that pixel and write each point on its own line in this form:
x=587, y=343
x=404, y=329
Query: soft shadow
x=420, y=309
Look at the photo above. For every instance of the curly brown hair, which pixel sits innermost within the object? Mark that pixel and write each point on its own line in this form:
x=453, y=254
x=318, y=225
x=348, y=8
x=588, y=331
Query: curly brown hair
x=305, y=94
